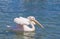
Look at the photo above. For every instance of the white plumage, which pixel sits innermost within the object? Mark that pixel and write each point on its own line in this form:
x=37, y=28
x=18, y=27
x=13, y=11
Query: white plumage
x=21, y=20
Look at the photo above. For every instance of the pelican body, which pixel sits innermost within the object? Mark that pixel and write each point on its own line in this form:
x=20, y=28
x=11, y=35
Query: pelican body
x=24, y=23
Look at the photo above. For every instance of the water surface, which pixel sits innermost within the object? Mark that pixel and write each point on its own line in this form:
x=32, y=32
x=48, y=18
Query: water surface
x=47, y=12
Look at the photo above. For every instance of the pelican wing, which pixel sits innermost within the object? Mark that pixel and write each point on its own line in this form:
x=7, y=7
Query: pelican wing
x=21, y=20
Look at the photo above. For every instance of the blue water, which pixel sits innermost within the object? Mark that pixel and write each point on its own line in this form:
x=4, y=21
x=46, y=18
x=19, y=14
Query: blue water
x=47, y=12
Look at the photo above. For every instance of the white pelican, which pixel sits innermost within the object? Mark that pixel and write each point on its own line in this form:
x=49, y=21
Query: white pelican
x=23, y=23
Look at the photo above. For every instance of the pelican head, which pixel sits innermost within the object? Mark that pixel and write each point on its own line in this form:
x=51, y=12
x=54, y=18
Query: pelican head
x=32, y=18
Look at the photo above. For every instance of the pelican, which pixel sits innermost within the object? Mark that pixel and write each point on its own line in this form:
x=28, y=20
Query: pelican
x=24, y=23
